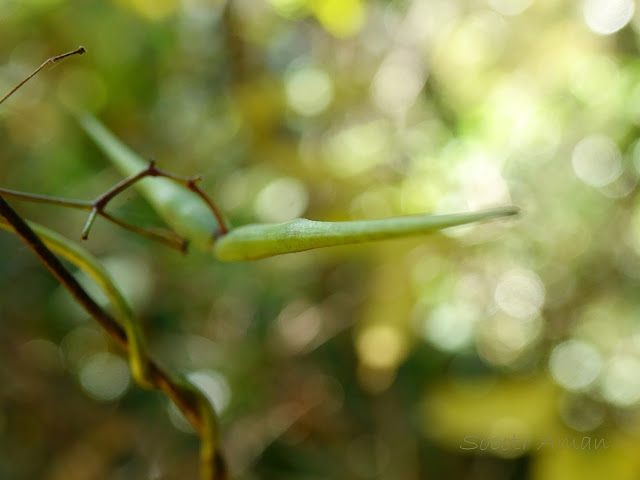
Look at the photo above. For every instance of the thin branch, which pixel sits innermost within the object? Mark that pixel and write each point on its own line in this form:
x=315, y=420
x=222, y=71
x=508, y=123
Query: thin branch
x=184, y=399
x=190, y=183
x=78, y=51
x=36, y=198
x=166, y=237
x=97, y=207
x=99, y=204
x=163, y=236
x=152, y=171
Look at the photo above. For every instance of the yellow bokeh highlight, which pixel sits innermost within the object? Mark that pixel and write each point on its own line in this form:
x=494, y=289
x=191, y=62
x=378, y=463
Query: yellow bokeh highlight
x=381, y=346
x=341, y=18
x=152, y=9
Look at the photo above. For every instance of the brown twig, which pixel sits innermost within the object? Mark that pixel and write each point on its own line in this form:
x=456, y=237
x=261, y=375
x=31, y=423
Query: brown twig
x=100, y=203
x=78, y=51
x=97, y=207
x=190, y=183
x=163, y=236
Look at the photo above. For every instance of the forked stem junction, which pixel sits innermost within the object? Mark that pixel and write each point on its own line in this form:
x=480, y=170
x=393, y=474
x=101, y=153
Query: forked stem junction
x=97, y=206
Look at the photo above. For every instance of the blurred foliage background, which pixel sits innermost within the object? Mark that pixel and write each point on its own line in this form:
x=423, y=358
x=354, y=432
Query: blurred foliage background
x=509, y=350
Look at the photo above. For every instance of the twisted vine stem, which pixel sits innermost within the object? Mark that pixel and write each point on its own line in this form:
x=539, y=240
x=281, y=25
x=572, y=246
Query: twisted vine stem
x=195, y=406
x=189, y=399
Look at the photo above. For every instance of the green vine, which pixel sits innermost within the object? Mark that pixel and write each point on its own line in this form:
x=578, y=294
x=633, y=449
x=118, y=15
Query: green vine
x=191, y=401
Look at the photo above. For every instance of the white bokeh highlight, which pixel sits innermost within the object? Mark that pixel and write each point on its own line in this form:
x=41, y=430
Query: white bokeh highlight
x=575, y=365
x=597, y=161
x=605, y=17
x=520, y=293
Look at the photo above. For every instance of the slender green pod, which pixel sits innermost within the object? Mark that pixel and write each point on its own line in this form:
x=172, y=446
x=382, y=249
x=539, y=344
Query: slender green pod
x=189, y=216
x=252, y=242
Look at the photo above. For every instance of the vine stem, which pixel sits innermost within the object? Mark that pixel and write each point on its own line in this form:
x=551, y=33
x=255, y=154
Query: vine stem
x=55, y=266
x=186, y=397
x=189, y=399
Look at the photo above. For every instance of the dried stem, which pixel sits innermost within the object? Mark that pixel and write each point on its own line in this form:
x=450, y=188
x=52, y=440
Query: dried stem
x=78, y=51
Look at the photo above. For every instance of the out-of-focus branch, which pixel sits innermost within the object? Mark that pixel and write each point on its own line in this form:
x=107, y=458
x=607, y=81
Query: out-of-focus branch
x=78, y=51
x=192, y=403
